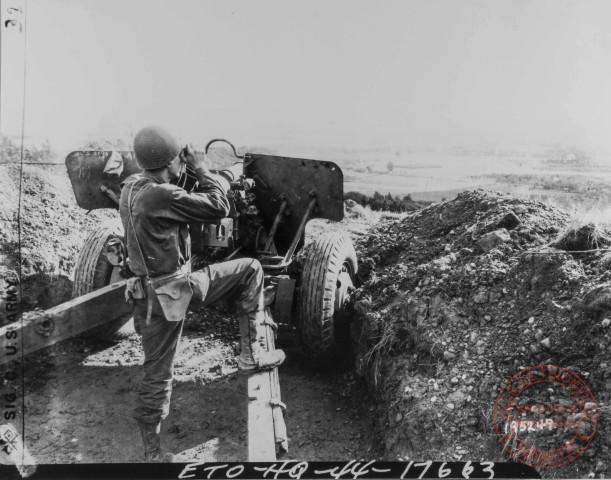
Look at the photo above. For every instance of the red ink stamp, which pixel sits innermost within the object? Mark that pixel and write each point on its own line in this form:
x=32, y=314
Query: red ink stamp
x=545, y=416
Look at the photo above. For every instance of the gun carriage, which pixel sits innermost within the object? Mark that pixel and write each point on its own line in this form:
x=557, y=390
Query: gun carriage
x=272, y=198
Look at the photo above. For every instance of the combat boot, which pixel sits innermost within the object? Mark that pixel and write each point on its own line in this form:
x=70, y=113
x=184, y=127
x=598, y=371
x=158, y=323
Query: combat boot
x=254, y=357
x=152, y=443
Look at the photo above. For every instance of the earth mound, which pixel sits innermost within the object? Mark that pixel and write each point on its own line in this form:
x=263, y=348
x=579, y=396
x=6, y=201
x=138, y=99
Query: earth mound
x=457, y=298
x=40, y=214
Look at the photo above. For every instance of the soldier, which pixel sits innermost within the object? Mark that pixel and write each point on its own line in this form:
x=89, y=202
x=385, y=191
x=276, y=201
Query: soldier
x=155, y=214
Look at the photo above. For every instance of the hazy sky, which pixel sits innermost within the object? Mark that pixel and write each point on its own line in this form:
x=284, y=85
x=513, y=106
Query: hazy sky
x=328, y=72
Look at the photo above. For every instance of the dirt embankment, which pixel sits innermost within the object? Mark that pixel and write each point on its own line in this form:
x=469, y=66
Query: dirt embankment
x=49, y=227
x=459, y=297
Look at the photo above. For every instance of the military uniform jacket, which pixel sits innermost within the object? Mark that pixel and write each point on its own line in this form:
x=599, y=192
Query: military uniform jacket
x=160, y=213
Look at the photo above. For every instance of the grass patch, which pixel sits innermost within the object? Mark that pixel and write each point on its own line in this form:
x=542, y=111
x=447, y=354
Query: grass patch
x=586, y=231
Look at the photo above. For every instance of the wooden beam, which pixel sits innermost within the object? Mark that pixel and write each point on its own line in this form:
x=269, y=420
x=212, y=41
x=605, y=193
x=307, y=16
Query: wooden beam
x=40, y=329
x=266, y=428
x=261, y=442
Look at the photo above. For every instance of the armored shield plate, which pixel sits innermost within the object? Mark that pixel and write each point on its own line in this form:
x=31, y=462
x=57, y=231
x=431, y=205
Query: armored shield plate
x=297, y=180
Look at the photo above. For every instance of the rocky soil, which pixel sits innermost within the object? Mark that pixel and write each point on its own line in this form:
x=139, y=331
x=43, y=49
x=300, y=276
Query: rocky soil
x=459, y=297
x=51, y=234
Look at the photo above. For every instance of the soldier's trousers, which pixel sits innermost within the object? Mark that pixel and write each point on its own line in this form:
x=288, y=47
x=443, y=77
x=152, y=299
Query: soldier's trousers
x=236, y=283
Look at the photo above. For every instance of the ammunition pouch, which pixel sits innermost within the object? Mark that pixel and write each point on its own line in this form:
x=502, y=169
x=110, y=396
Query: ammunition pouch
x=174, y=293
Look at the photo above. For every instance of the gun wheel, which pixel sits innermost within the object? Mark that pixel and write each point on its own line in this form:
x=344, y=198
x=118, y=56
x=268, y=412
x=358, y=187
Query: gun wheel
x=325, y=285
x=94, y=271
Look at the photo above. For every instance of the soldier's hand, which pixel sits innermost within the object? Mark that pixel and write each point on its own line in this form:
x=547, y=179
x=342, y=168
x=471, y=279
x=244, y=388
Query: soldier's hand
x=189, y=157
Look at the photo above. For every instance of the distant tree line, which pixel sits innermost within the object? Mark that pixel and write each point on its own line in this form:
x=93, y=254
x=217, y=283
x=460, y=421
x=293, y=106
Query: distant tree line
x=10, y=152
x=571, y=155
x=388, y=202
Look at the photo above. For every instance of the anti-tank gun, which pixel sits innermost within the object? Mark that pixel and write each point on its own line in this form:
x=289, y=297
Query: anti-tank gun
x=271, y=197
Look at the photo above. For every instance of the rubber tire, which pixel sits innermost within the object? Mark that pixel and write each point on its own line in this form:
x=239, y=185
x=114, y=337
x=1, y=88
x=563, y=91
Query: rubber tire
x=324, y=258
x=93, y=271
